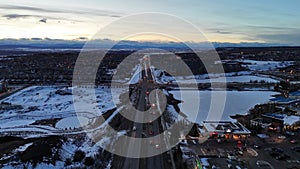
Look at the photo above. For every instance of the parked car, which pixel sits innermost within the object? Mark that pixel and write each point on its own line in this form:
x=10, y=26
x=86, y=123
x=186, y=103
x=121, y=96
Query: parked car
x=282, y=157
x=282, y=137
x=297, y=148
x=240, y=153
x=278, y=150
x=274, y=154
x=262, y=164
x=257, y=146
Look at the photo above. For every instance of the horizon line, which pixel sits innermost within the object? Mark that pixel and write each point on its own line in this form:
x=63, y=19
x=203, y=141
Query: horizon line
x=83, y=40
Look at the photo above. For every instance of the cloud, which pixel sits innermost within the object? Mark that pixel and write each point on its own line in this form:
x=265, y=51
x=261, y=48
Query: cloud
x=17, y=16
x=28, y=8
x=40, y=18
x=101, y=12
x=287, y=38
x=220, y=30
x=95, y=12
x=82, y=38
x=223, y=32
x=44, y=20
x=34, y=39
x=273, y=28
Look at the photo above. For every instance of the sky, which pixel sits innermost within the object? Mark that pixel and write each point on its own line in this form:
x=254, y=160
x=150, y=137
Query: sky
x=235, y=21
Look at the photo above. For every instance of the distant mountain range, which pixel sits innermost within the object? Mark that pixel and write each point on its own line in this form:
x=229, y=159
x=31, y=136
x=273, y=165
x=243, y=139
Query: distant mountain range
x=37, y=43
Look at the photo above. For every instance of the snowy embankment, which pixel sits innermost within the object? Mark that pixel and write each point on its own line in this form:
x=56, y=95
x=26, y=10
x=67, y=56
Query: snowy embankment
x=136, y=76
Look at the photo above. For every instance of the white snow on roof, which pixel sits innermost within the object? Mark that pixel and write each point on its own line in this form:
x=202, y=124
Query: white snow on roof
x=290, y=120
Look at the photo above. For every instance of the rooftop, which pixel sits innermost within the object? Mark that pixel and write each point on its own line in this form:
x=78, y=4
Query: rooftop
x=225, y=126
x=295, y=94
x=283, y=100
x=287, y=119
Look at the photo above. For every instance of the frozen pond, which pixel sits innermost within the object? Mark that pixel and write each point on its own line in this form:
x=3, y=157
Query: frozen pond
x=197, y=103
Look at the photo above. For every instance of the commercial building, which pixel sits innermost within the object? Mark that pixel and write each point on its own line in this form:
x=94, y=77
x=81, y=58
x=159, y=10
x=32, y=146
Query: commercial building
x=277, y=122
x=226, y=129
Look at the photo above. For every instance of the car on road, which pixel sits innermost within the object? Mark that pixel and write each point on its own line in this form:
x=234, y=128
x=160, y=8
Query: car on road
x=257, y=146
x=293, y=161
x=262, y=164
x=231, y=157
x=240, y=153
x=282, y=157
x=237, y=167
x=297, y=148
x=274, y=154
x=229, y=161
x=293, y=141
x=289, y=133
x=292, y=167
x=282, y=137
x=183, y=142
x=278, y=150
x=134, y=128
x=144, y=135
x=153, y=105
x=157, y=146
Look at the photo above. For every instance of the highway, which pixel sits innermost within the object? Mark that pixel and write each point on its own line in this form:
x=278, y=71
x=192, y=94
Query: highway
x=134, y=163
x=152, y=128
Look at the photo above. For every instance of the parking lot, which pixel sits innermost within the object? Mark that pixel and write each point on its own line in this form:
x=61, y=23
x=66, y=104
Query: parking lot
x=274, y=152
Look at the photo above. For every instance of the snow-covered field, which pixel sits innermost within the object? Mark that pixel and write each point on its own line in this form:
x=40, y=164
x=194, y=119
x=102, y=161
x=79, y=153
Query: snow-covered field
x=230, y=79
x=238, y=77
x=41, y=102
x=265, y=65
x=237, y=102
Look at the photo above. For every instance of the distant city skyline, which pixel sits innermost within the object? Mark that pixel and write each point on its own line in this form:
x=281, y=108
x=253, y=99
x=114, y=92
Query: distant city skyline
x=234, y=21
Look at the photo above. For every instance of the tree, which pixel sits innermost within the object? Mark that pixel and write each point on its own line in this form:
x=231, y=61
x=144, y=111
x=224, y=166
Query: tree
x=89, y=161
x=78, y=156
x=68, y=162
